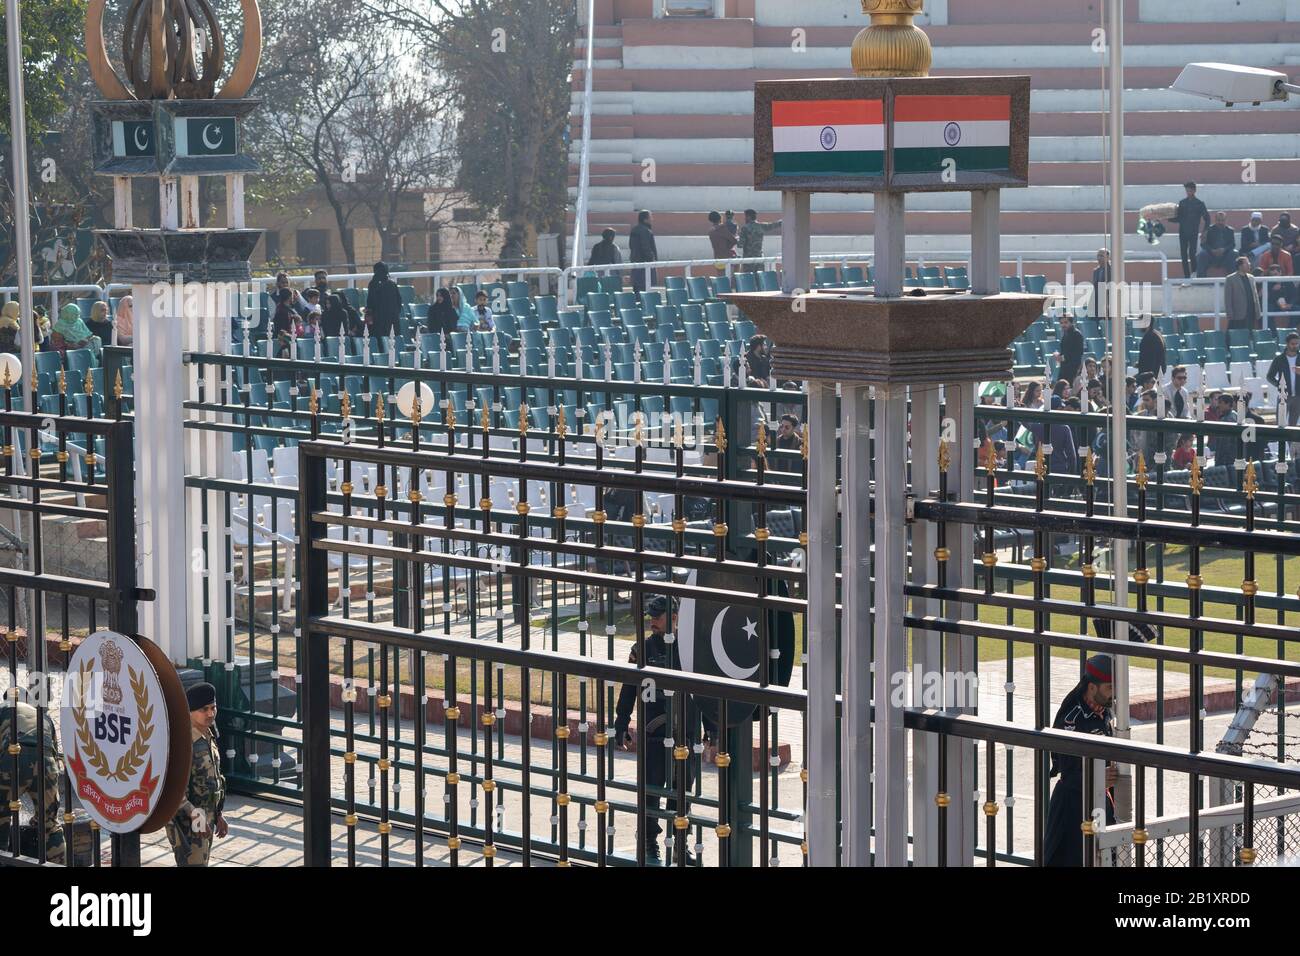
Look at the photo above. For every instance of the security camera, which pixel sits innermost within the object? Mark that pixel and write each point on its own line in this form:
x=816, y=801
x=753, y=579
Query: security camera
x=1230, y=84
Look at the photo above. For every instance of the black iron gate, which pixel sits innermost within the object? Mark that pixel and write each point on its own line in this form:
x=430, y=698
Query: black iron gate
x=67, y=515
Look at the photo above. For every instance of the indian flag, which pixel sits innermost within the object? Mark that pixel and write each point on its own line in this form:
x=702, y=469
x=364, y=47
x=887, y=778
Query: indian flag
x=973, y=131
x=828, y=137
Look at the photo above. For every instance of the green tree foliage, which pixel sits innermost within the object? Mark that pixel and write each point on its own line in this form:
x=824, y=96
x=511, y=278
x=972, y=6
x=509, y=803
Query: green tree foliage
x=52, y=48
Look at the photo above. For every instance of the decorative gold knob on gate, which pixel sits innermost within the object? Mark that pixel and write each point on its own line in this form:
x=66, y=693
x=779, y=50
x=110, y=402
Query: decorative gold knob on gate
x=453, y=843
x=1247, y=855
x=723, y=831
x=990, y=809
x=1141, y=576
x=1139, y=837
x=942, y=799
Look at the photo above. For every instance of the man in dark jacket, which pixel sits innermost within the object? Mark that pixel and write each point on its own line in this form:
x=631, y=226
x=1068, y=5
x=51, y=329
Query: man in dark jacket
x=1290, y=234
x=1218, y=252
x=641, y=248
x=1085, y=710
x=1101, y=285
x=1282, y=298
x=1190, y=214
x=383, y=303
x=1151, y=351
x=1254, y=235
x=661, y=651
x=1284, y=375
x=720, y=238
x=605, y=253
x=1069, y=358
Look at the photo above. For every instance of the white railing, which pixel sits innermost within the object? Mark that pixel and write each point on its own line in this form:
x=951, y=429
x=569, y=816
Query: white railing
x=1213, y=823
x=1261, y=281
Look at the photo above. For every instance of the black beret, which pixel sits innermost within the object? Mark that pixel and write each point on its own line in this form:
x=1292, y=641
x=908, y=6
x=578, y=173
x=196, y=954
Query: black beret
x=200, y=695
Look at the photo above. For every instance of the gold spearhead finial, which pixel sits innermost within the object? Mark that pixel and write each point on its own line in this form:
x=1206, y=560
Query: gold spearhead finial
x=678, y=436
x=63, y=382
x=448, y=417
x=1040, y=464
x=1089, y=467
x=804, y=441
x=760, y=443
x=380, y=401
x=945, y=457
x=1196, y=480
x=1250, y=484
x=345, y=405
x=313, y=401
x=485, y=420
x=523, y=419
x=1140, y=479
x=117, y=386
x=721, y=438
x=6, y=382
x=638, y=433
x=561, y=426
x=88, y=383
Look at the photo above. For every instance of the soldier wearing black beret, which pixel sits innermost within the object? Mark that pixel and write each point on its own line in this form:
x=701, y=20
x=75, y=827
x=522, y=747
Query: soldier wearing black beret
x=199, y=817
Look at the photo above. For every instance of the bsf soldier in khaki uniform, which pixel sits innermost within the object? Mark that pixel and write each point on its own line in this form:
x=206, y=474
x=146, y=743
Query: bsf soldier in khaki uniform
x=192, y=829
x=46, y=803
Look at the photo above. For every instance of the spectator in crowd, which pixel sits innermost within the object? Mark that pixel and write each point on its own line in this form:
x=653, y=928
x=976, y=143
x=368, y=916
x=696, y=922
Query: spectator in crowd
x=443, y=318
x=313, y=300
x=641, y=248
x=1241, y=299
x=1065, y=456
x=70, y=332
x=1281, y=298
x=1151, y=351
x=124, y=321
x=483, y=320
x=465, y=315
x=99, y=322
x=1253, y=236
x=1148, y=441
x=1178, y=403
x=1284, y=376
x=1277, y=253
x=334, y=320
x=1146, y=380
x=1290, y=234
x=1223, y=448
x=322, y=286
x=1184, y=452
x=758, y=361
x=605, y=253
x=10, y=341
x=1096, y=396
x=285, y=324
x=1033, y=396
x=729, y=220
x=1189, y=215
x=296, y=301
x=751, y=238
x=789, y=436
x=1069, y=358
x=1101, y=285
x=1219, y=242
x=1212, y=406
x=720, y=237
x=1131, y=395
x=383, y=304
x=44, y=329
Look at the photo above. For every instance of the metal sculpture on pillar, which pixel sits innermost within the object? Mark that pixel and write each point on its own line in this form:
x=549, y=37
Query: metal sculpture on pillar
x=891, y=131
x=164, y=119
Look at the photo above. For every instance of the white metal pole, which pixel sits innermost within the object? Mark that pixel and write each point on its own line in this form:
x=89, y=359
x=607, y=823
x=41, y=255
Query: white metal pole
x=22, y=213
x=584, y=162
x=1119, y=361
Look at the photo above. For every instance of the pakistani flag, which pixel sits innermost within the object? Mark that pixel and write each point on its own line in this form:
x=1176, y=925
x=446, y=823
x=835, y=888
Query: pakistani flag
x=725, y=639
x=828, y=137
x=206, y=136
x=973, y=131
x=133, y=138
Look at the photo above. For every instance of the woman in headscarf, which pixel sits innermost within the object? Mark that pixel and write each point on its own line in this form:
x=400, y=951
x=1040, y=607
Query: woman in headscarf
x=465, y=315
x=443, y=317
x=383, y=303
x=124, y=320
x=70, y=332
x=43, y=332
x=99, y=323
x=285, y=324
x=9, y=340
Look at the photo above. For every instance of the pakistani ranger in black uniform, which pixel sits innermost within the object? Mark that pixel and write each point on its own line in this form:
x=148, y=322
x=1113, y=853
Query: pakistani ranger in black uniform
x=661, y=650
x=1086, y=710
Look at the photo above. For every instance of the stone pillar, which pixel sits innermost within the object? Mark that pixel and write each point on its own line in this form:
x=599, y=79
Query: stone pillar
x=796, y=241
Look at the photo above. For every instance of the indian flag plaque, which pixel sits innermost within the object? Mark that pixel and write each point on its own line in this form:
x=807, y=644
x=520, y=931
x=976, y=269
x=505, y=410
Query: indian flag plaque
x=896, y=134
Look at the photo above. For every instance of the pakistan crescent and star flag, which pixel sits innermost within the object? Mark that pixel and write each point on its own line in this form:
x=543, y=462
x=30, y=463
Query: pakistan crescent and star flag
x=845, y=138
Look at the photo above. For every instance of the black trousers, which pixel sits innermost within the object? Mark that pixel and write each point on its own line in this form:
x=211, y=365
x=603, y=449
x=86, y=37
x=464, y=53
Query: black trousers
x=1187, y=243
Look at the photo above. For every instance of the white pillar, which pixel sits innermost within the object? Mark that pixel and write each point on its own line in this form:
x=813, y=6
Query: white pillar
x=123, y=211
x=890, y=739
x=235, y=201
x=890, y=242
x=796, y=242
x=959, y=649
x=160, y=467
x=925, y=644
x=855, y=722
x=169, y=203
x=190, y=216
x=821, y=826
x=985, y=241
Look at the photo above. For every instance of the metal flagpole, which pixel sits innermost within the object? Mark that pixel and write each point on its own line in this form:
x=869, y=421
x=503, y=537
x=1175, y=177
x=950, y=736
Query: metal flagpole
x=1119, y=350
x=22, y=237
x=584, y=167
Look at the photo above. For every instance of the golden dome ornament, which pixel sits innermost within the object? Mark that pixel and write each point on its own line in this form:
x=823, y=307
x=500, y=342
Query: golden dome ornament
x=892, y=45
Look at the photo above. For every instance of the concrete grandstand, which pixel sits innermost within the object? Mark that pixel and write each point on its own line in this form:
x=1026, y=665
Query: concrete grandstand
x=673, y=100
